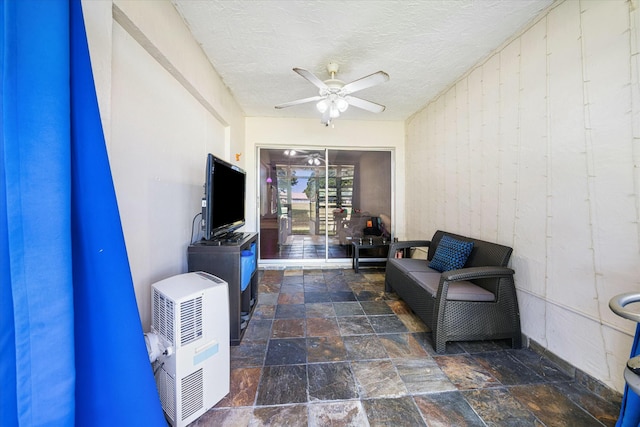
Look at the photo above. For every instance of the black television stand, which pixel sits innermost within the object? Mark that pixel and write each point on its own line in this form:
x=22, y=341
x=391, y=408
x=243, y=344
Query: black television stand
x=231, y=238
x=225, y=261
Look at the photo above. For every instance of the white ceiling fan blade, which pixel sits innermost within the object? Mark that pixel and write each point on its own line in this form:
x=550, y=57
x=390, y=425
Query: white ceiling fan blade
x=364, y=104
x=365, y=82
x=299, y=101
x=311, y=77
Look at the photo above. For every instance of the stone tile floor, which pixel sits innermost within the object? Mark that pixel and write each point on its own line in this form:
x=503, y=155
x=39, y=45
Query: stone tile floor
x=330, y=348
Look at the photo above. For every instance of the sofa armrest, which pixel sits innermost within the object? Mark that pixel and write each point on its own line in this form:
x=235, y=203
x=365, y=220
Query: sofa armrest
x=471, y=273
x=396, y=246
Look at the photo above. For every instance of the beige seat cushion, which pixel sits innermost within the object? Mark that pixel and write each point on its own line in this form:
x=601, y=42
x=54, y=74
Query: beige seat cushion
x=458, y=291
x=407, y=265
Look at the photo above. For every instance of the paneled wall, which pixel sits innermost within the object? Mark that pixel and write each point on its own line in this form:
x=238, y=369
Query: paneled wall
x=537, y=148
x=163, y=108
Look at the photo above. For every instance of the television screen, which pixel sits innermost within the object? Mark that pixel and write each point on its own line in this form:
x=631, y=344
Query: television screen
x=223, y=207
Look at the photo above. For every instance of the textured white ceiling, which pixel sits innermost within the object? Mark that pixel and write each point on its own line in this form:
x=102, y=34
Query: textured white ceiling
x=423, y=45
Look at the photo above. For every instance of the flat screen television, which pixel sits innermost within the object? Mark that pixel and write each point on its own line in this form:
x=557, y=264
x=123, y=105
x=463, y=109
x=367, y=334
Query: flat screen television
x=223, y=203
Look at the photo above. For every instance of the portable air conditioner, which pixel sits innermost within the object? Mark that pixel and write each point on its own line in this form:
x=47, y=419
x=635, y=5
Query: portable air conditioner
x=190, y=321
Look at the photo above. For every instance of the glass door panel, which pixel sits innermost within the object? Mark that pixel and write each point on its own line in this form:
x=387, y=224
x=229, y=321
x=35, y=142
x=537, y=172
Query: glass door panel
x=305, y=215
x=362, y=196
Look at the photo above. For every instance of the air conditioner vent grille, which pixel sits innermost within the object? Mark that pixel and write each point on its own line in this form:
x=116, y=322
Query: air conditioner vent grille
x=163, y=314
x=167, y=392
x=190, y=320
x=210, y=277
x=192, y=394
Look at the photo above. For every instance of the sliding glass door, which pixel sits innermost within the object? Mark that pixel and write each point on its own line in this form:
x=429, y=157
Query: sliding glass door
x=314, y=202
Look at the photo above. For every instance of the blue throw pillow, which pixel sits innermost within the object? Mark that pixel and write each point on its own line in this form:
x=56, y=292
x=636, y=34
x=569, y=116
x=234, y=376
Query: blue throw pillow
x=451, y=254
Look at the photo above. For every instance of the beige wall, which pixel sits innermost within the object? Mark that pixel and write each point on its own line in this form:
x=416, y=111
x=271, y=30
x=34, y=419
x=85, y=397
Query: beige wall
x=537, y=148
x=163, y=108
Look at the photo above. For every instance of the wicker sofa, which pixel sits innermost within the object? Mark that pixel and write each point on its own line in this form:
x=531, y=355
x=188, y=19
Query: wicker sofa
x=476, y=302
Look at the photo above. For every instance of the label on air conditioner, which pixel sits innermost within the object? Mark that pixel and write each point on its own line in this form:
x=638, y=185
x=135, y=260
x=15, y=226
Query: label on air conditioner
x=204, y=352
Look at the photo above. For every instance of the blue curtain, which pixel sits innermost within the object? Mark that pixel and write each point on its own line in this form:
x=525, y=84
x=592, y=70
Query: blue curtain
x=72, y=343
x=630, y=409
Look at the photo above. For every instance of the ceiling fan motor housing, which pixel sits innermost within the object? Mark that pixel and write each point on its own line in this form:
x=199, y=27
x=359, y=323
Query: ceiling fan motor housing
x=332, y=68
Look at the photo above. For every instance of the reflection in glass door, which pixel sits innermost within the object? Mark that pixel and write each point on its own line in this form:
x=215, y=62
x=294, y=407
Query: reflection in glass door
x=305, y=215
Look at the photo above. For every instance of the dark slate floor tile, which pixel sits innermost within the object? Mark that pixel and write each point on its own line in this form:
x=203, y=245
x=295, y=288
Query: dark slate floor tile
x=291, y=298
x=342, y=296
x=264, y=311
x=288, y=328
x=225, y=417
x=377, y=378
x=400, y=411
x=270, y=277
x=498, y=407
x=243, y=387
x=364, y=347
x=465, y=372
x=326, y=349
x=422, y=375
x=369, y=295
x=320, y=309
x=289, y=311
x=402, y=346
x=413, y=323
x=331, y=381
x=290, y=416
x=322, y=327
x=258, y=330
x=292, y=288
x=399, y=307
x=506, y=368
x=604, y=411
x=343, y=309
x=546, y=369
x=337, y=414
x=292, y=280
x=317, y=281
x=447, y=409
x=310, y=297
x=269, y=288
x=374, y=308
x=313, y=273
x=248, y=354
x=267, y=299
x=552, y=406
x=281, y=385
x=289, y=351
x=355, y=325
x=338, y=285
x=387, y=324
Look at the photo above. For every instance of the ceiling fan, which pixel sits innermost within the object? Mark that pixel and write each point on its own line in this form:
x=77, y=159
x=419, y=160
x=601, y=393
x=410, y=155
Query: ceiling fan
x=308, y=157
x=334, y=96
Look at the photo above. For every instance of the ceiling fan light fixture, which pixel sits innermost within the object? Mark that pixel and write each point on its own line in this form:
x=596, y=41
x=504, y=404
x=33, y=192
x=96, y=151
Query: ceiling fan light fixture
x=342, y=105
x=322, y=105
